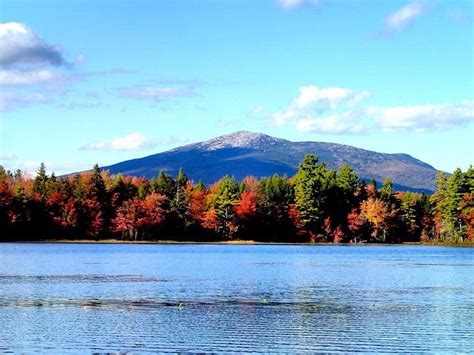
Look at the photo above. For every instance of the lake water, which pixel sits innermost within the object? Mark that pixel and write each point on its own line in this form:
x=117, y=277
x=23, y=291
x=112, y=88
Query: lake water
x=264, y=298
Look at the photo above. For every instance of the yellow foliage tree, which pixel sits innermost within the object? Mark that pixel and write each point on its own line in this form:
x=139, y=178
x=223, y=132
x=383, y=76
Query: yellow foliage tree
x=375, y=211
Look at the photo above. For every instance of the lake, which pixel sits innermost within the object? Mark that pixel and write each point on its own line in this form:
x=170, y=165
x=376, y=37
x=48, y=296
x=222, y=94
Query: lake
x=254, y=298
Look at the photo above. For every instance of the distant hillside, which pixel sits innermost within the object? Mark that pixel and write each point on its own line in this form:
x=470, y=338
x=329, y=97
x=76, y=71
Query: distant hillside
x=246, y=153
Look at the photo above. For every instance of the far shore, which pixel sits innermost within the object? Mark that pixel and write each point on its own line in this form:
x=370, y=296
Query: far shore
x=231, y=242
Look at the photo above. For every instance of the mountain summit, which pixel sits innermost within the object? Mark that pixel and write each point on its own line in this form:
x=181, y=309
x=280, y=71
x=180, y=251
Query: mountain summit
x=239, y=139
x=245, y=153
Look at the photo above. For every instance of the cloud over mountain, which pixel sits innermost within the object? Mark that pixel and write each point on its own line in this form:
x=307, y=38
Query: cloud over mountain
x=337, y=110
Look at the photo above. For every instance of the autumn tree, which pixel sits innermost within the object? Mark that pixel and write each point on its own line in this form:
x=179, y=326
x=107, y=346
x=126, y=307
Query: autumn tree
x=354, y=225
x=374, y=211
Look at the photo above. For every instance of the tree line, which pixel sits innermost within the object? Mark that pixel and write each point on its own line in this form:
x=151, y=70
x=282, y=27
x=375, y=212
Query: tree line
x=317, y=204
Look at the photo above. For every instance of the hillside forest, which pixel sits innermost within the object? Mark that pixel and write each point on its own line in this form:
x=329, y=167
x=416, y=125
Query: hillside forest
x=316, y=205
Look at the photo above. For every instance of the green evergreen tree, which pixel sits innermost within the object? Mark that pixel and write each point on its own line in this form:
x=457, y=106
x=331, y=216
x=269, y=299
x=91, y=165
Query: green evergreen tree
x=97, y=186
x=40, y=182
x=274, y=196
x=164, y=185
x=227, y=196
x=180, y=202
x=347, y=178
x=469, y=179
x=456, y=188
x=310, y=200
x=386, y=191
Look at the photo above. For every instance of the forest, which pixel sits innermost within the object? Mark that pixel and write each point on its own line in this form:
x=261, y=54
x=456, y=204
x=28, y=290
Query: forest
x=316, y=205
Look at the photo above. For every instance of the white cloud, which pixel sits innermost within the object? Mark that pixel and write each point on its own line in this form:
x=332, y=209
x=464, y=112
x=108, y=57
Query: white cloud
x=343, y=111
x=20, y=45
x=344, y=123
x=424, y=117
x=18, y=77
x=25, y=60
x=132, y=141
x=293, y=4
x=154, y=94
x=402, y=18
x=323, y=110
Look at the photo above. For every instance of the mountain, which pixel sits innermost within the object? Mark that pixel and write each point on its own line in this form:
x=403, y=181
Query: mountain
x=246, y=153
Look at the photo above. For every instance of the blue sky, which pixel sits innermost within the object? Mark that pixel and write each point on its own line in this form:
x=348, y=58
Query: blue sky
x=105, y=81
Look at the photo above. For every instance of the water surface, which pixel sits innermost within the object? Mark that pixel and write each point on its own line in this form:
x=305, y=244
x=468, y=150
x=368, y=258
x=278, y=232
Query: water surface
x=265, y=298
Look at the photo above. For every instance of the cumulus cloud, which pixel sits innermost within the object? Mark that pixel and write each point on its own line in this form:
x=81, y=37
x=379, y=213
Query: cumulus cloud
x=424, y=117
x=132, y=141
x=325, y=110
x=148, y=93
x=344, y=111
x=27, y=60
x=402, y=18
x=294, y=4
x=344, y=123
x=20, y=45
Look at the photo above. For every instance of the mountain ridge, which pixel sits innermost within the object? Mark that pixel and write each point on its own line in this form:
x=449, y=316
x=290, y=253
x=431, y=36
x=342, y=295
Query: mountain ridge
x=244, y=153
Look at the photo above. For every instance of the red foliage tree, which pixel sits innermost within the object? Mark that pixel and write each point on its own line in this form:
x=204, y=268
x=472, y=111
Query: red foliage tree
x=126, y=221
x=247, y=206
x=210, y=220
x=338, y=235
x=136, y=217
x=354, y=222
x=197, y=205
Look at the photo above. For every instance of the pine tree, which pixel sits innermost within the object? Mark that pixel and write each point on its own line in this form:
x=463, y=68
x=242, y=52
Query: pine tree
x=347, y=179
x=309, y=198
x=164, y=185
x=274, y=197
x=180, y=202
x=469, y=179
x=456, y=188
x=97, y=186
x=40, y=182
x=386, y=191
x=227, y=196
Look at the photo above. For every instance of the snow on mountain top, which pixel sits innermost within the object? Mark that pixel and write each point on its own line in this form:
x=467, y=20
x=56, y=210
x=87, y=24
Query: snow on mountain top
x=240, y=139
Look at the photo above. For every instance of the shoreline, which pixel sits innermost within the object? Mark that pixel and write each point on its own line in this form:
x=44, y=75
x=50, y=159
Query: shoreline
x=230, y=242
